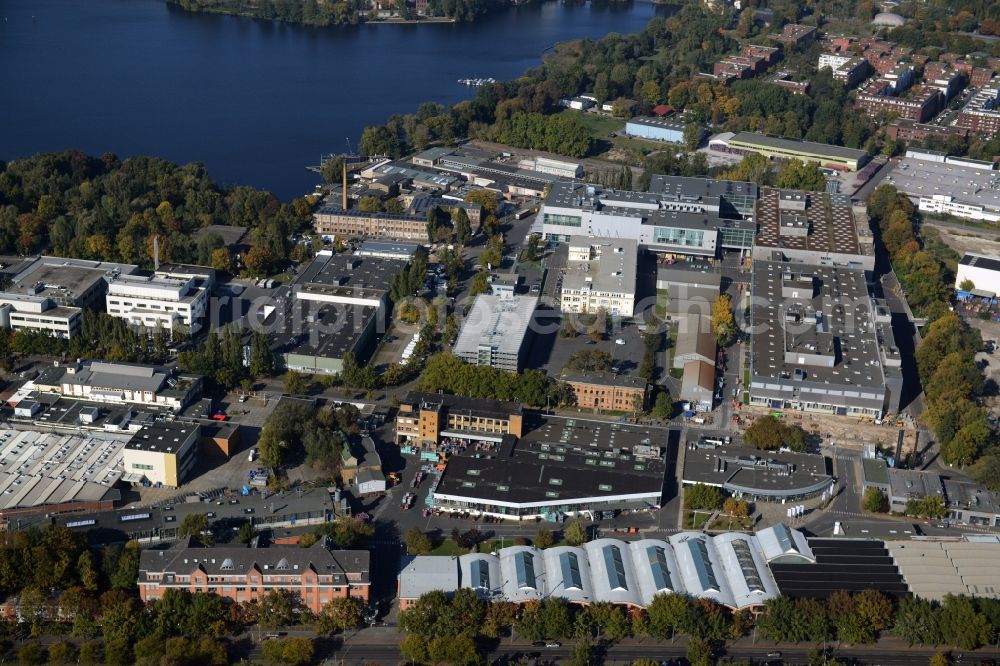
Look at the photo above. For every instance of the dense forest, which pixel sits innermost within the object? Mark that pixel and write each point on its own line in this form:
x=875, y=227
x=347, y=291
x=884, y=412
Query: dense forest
x=335, y=12
x=75, y=205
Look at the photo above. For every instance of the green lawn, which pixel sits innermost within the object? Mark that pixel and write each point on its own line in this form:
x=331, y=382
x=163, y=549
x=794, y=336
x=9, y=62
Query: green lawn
x=600, y=127
x=695, y=520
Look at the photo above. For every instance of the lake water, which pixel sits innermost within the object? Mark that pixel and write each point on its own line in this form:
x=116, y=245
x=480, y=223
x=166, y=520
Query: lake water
x=255, y=101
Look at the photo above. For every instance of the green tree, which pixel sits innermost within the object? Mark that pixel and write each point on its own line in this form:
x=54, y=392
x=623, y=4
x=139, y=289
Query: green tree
x=295, y=383
x=413, y=648
x=196, y=525
x=340, y=614
x=967, y=285
x=692, y=136
x=799, y=175
x=543, y=538
x=700, y=496
x=667, y=613
x=699, y=652
x=961, y=625
x=662, y=407
x=62, y=652
x=417, y=543
x=874, y=501
x=293, y=651
x=575, y=533
x=463, y=228
x=582, y=653
x=723, y=323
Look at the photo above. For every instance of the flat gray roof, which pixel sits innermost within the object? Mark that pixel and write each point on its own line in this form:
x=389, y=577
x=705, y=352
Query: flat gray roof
x=840, y=304
x=762, y=473
x=923, y=178
x=350, y=273
x=65, y=279
x=614, y=271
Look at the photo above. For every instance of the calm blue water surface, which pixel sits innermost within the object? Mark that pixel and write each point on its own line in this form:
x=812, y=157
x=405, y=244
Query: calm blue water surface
x=255, y=101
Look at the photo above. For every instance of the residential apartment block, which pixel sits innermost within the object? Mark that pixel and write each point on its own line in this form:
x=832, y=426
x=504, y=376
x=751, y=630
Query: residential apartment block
x=919, y=105
x=981, y=115
x=157, y=302
x=314, y=576
x=424, y=418
x=600, y=276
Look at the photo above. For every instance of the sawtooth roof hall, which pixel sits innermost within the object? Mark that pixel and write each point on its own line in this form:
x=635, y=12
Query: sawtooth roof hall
x=731, y=569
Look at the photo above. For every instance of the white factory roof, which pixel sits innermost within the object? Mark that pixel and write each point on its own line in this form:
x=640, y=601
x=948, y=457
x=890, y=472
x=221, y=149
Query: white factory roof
x=730, y=568
x=497, y=322
x=426, y=573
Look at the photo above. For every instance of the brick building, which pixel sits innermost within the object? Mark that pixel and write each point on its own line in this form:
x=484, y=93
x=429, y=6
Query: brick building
x=920, y=105
x=335, y=221
x=314, y=575
x=601, y=390
x=904, y=129
x=982, y=113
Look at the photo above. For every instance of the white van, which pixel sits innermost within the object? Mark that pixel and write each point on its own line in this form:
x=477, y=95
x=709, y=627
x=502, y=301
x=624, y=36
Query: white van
x=253, y=455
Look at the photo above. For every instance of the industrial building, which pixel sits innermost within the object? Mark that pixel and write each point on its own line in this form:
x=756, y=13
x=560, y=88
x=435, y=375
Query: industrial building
x=657, y=129
x=949, y=186
x=899, y=485
x=497, y=331
x=849, y=565
x=730, y=569
x=661, y=221
x=118, y=383
x=557, y=466
x=426, y=418
x=555, y=167
x=962, y=566
x=600, y=276
x=23, y=312
x=157, y=302
x=314, y=575
x=688, y=287
x=387, y=250
x=47, y=472
x=339, y=305
x=729, y=199
x=741, y=471
x=163, y=452
x=819, y=344
x=816, y=228
x=75, y=283
x=336, y=222
x=744, y=143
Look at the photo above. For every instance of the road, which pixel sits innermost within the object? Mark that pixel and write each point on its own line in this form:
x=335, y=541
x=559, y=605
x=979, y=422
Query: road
x=380, y=646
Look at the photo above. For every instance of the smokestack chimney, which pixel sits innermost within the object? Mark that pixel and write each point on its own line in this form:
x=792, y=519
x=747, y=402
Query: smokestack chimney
x=344, y=186
x=156, y=253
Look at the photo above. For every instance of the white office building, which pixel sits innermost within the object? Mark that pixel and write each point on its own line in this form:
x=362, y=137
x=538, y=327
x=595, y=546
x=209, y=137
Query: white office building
x=600, y=276
x=38, y=313
x=156, y=302
x=982, y=271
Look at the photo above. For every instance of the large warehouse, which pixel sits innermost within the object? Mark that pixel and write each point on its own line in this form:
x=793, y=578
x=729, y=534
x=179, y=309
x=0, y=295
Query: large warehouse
x=743, y=143
x=730, y=569
x=558, y=466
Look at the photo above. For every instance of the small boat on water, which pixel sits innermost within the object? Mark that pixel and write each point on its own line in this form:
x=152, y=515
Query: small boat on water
x=477, y=82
